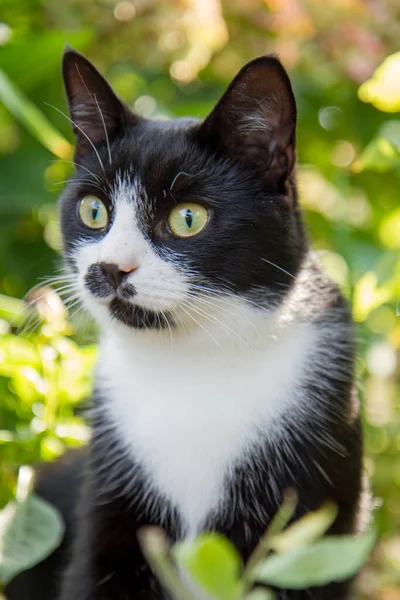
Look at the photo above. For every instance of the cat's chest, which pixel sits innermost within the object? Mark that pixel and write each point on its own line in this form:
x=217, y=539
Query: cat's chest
x=190, y=417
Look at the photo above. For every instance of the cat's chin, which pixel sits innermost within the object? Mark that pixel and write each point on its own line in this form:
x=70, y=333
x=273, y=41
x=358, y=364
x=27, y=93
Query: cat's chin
x=138, y=317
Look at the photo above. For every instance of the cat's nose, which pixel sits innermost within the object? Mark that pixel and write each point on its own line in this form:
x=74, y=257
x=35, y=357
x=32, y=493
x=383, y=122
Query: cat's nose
x=115, y=274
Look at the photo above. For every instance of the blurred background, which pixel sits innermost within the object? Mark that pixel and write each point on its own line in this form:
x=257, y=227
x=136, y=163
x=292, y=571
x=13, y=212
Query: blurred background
x=173, y=58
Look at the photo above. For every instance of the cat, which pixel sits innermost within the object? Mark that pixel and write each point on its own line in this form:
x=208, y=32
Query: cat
x=225, y=371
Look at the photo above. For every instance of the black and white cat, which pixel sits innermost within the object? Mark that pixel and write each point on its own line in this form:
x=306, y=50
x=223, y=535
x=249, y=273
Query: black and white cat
x=226, y=355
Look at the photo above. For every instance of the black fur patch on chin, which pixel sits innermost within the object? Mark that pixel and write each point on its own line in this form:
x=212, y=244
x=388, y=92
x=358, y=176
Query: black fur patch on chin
x=127, y=291
x=137, y=317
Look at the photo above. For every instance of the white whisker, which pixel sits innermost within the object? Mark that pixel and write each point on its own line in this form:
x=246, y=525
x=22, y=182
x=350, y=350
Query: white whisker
x=81, y=130
x=278, y=267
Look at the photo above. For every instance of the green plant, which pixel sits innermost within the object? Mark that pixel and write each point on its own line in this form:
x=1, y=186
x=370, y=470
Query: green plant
x=30, y=529
x=297, y=557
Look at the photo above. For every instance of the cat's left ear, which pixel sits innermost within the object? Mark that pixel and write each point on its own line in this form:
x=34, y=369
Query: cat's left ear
x=255, y=120
x=95, y=110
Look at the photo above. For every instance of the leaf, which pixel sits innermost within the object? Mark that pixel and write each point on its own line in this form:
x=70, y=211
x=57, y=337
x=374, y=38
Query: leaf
x=389, y=230
x=155, y=547
x=260, y=594
x=11, y=309
x=383, y=89
x=213, y=562
x=306, y=530
x=334, y=558
x=383, y=152
x=368, y=296
x=29, y=532
x=33, y=59
x=33, y=119
x=18, y=195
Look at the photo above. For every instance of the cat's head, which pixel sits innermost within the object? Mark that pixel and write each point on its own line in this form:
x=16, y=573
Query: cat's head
x=170, y=223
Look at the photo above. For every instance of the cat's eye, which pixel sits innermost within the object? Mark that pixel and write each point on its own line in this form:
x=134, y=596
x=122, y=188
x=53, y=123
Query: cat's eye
x=187, y=220
x=93, y=212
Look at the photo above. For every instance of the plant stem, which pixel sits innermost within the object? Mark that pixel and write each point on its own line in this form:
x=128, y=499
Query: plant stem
x=280, y=520
x=154, y=544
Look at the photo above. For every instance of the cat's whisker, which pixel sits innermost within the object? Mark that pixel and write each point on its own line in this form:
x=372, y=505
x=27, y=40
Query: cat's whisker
x=230, y=309
x=82, y=132
x=176, y=179
x=45, y=282
x=105, y=130
x=93, y=96
x=78, y=182
x=28, y=325
x=72, y=301
x=165, y=317
x=78, y=308
x=278, y=267
x=203, y=328
x=223, y=296
x=72, y=162
x=64, y=285
x=178, y=317
x=223, y=326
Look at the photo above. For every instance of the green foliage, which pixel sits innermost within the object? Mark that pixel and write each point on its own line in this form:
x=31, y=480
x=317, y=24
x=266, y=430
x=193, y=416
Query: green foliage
x=30, y=529
x=383, y=89
x=302, y=558
x=306, y=530
x=330, y=559
x=214, y=563
x=26, y=112
x=44, y=375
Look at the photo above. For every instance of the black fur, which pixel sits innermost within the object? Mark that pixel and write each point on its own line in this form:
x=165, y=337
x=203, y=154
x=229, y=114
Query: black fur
x=244, y=175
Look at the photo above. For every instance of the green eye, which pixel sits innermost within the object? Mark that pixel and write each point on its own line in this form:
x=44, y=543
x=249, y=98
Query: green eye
x=93, y=213
x=186, y=220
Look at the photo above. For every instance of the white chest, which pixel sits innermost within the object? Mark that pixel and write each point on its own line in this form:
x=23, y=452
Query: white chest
x=189, y=414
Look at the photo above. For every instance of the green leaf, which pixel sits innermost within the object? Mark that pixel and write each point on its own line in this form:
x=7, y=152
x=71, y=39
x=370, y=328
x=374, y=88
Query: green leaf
x=389, y=230
x=260, y=594
x=11, y=309
x=33, y=59
x=368, y=295
x=29, y=531
x=306, y=530
x=334, y=558
x=383, y=152
x=18, y=195
x=33, y=119
x=383, y=89
x=213, y=562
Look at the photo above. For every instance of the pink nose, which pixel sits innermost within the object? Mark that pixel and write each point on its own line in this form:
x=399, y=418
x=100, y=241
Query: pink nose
x=115, y=274
x=127, y=267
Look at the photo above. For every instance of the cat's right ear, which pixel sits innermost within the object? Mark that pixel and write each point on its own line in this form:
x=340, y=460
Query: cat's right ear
x=96, y=112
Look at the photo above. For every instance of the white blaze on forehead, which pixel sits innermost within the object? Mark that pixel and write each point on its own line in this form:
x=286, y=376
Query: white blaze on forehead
x=159, y=284
x=124, y=243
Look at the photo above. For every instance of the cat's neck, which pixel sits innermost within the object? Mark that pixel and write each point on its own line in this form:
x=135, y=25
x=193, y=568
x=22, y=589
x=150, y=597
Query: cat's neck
x=174, y=401
x=235, y=329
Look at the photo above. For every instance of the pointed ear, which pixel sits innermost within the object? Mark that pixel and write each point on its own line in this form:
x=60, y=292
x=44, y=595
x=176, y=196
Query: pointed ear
x=255, y=120
x=95, y=110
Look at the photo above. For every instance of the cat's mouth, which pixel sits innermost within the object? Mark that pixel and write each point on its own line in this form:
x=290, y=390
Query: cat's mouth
x=138, y=317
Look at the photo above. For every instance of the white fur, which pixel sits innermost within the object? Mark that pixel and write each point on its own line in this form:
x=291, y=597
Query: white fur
x=190, y=402
x=189, y=412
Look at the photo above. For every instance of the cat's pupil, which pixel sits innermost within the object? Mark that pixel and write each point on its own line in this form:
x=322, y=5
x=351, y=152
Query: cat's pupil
x=189, y=218
x=95, y=211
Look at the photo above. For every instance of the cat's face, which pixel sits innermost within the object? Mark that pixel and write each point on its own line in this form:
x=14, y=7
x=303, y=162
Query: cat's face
x=169, y=223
